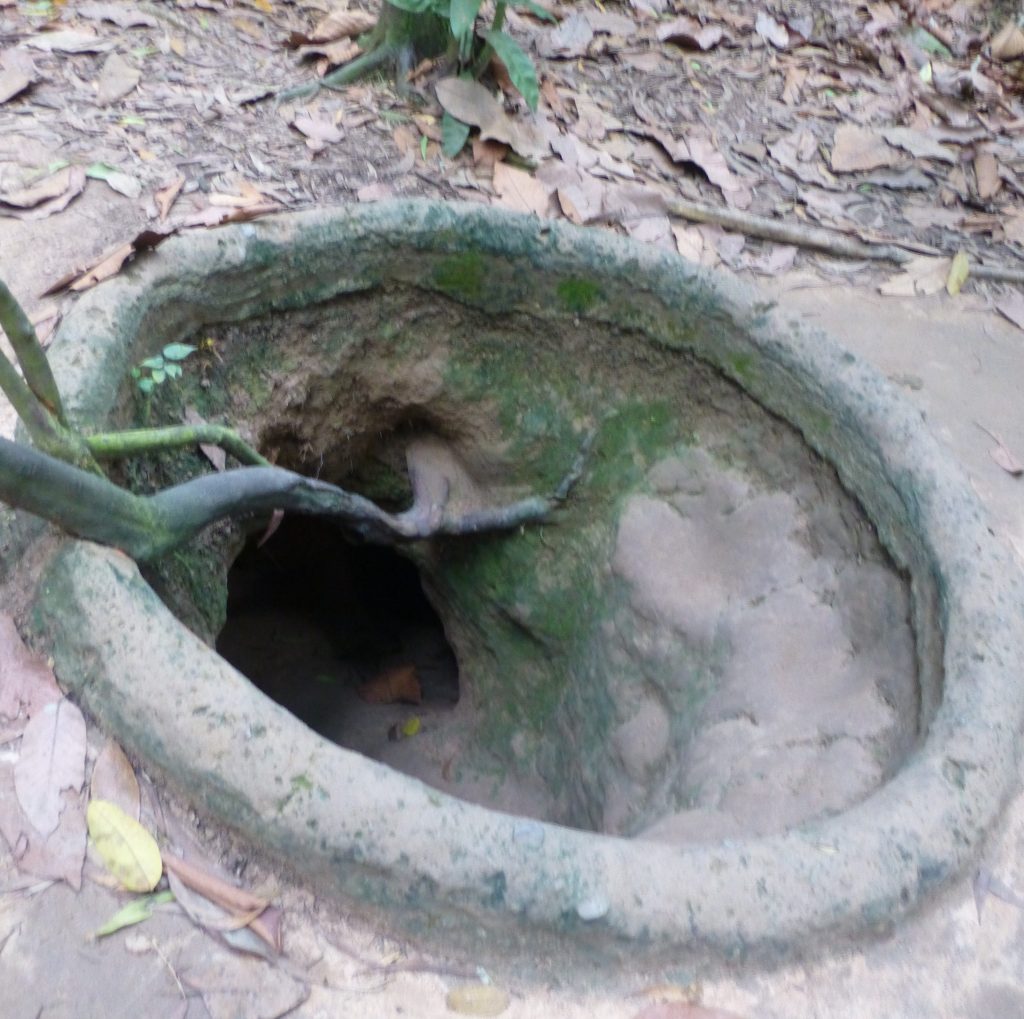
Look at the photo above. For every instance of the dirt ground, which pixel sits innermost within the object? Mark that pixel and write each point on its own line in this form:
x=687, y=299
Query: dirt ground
x=638, y=113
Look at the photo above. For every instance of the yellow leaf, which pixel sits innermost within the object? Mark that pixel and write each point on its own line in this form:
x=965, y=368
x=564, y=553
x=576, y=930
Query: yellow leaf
x=128, y=850
x=958, y=272
x=411, y=726
x=477, y=999
x=178, y=45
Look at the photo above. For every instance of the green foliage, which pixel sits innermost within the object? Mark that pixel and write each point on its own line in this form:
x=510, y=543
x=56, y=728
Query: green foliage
x=519, y=66
x=454, y=135
x=154, y=371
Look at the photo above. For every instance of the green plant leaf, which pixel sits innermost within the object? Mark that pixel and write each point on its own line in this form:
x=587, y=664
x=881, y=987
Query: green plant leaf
x=159, y=375
x=453, y=135
x=100, y=171
x=135, y=912
x=173, y=371
x=178, y=351
x=152, y=363
x=536, y=10
x=519, y=66
x=423, y=147
x=146, y=385
x=415, y=6
x=462, y=17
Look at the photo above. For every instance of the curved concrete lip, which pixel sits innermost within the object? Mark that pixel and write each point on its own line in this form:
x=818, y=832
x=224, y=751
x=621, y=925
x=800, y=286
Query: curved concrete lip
x=475, y=879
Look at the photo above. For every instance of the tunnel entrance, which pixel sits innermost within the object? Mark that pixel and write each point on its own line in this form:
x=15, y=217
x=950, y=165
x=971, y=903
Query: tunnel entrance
x=339, y=634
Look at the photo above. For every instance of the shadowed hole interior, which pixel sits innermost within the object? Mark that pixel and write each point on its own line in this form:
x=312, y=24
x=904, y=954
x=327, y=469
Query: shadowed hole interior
x=314, y=620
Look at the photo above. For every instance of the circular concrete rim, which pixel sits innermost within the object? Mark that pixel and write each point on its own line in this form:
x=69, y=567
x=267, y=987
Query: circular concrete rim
x=487, y=878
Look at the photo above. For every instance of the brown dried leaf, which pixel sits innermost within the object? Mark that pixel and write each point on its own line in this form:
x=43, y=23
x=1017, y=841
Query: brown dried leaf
x=1012, y=308
x=234, y=985
x=334, y=53
x=17, y=72
x=27, y=684
x=319, y=133
x=60, y=855
x=70, y=41
x=400, y=684
x=166, y=196
x=42, y=190
x=986, y=173
x=771, y=31
x=52, y=759
x=691, y=34
x=918, y=144
x=609, y=23
x=342, y=23
x=793, y=84
x=487, y=153
x=1008, y=43
x=123, y=15
x=75, y=186
x=113, y=779
x=922, y=275
x=704, y=154
x=571, y=39
x=217, y=216
x=520, y=191
x=110, y=263
x=217, y=890
x=653, y=230
x=471, y=103
x=117, y=79
x=859, y=148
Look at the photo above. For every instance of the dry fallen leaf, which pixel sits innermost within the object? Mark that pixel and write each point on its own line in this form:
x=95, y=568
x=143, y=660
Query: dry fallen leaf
x=691, y=34
x=571, y=39
x=58, y=856
x=127, y=849
x=234, y=985
x=398, y=684
x=1012, y=308
x=166, y=196
x=471, y=103
x=113, y=779
x=1001, y=454
x=986, y=173
x=1008, y=42
x=123, y=15
x=342, y=23
x=110, y=262
x=117, y=78
x=52, y=759
x=918, y=144
x=521, y=191
x=922, y=275
x=26, y=681
x=70, y=41
x=341, y=51
x=478, y=999
x=860, y=148
x=17, y=72
x=771, y=31
x=319, y=133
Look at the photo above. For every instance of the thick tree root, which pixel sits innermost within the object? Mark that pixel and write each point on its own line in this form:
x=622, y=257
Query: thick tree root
x=146, y=527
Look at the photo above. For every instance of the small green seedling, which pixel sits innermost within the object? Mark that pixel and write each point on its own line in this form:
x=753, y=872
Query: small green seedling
x=154, y=371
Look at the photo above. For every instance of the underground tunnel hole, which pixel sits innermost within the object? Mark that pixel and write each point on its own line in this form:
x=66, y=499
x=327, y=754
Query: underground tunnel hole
x=711, y=578
x=343, y=636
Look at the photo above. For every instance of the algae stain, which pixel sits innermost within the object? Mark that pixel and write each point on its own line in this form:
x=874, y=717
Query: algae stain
x=577, y=294
x=742, y=367
x=462, y=275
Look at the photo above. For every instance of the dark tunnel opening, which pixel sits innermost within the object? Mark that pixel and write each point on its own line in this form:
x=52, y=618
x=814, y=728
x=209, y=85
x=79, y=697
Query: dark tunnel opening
x=341, y=635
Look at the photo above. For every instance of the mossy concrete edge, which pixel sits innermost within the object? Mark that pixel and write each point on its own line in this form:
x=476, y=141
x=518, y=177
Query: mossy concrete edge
x=491, y=882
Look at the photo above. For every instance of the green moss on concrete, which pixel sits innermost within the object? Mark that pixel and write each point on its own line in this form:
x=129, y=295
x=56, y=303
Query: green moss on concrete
x=462, y=276
x=578, y=295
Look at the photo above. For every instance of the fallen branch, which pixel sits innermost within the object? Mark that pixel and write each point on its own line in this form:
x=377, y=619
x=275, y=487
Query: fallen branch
x=824, y=239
